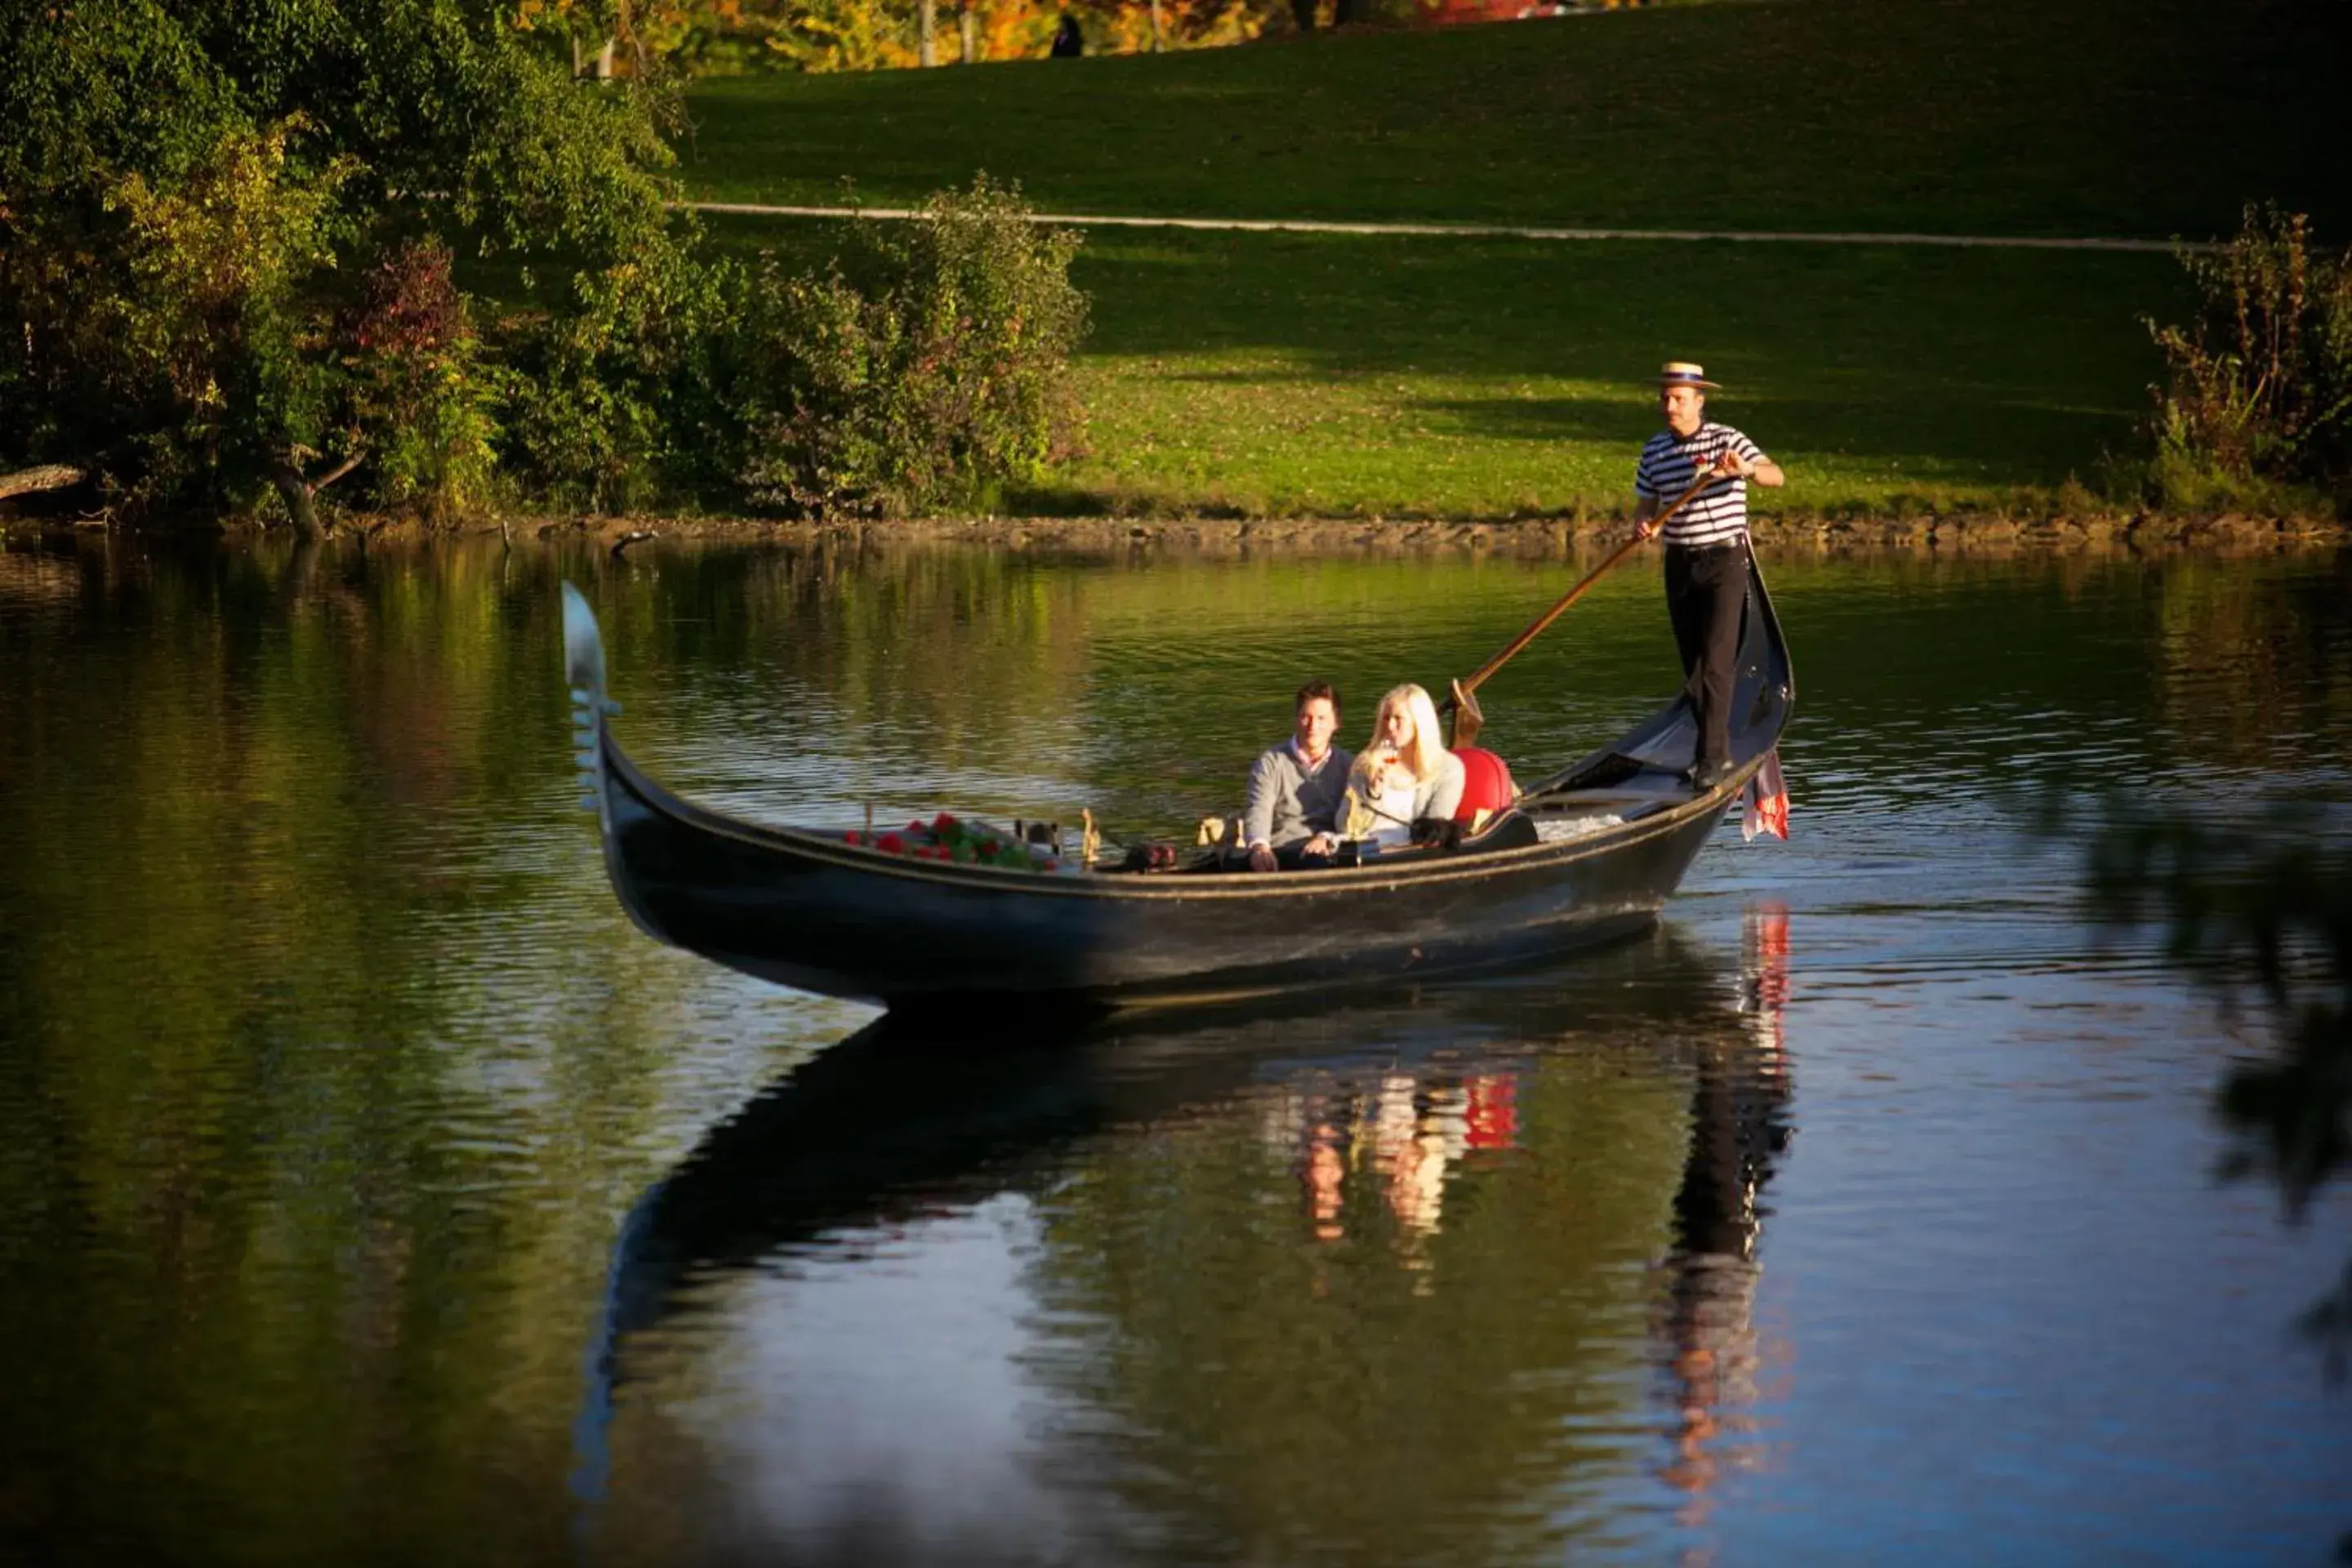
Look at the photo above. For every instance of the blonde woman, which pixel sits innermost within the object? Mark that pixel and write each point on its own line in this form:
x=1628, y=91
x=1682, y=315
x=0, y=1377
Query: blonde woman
x=1405, y=773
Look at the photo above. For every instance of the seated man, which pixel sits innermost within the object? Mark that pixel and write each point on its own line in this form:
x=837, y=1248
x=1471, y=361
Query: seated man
x=1295, y=790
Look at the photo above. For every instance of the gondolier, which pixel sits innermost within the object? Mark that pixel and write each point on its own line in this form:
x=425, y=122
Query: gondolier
x=1707, y=547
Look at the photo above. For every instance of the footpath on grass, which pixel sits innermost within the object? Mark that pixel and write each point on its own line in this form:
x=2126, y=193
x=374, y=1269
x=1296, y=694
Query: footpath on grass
x=1489, y=230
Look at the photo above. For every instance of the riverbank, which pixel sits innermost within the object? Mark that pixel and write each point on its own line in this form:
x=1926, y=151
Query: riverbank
x=1537, y=537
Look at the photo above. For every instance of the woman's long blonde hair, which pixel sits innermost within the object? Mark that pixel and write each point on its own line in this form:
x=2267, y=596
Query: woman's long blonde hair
x=1426, y=752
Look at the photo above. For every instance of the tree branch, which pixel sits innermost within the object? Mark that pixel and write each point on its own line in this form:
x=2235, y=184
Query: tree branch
x=40, y=476
x=338, y=471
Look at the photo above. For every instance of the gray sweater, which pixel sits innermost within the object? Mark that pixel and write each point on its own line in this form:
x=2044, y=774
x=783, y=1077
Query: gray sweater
x=1289, y=805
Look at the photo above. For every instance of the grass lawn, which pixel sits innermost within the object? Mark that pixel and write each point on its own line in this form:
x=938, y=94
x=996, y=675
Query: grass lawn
x=2147, y=118
x=1254, y=373
x=1312, y=375
x=1329, y=376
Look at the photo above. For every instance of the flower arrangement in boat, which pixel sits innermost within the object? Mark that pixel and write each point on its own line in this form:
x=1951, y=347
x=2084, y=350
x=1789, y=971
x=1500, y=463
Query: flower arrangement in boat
x=950, y=839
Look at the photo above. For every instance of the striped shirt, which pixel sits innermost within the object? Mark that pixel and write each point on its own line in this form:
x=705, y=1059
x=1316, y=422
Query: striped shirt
x=1670, y=465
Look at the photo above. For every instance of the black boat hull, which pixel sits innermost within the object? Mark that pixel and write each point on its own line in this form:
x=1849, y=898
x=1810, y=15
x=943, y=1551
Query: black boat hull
x=809, y=910
x=797, y=915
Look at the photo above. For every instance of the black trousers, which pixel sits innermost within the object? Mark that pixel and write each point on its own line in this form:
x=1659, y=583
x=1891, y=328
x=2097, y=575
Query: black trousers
x=1706, y=588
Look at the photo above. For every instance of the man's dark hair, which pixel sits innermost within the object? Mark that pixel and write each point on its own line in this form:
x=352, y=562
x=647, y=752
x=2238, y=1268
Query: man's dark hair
x=1314, y=689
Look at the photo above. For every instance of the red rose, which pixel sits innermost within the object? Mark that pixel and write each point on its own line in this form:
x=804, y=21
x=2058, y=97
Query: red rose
x=891, y=843
x=943, y=825
x=849, y=838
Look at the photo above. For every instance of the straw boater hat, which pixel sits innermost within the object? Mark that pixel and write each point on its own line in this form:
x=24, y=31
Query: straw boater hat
x=1682, y=372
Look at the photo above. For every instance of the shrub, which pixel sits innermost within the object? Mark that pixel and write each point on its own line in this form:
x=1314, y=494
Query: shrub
x=928, y=364
x=420, y=398
x=607, y=400
x=212, y=332
x=2258, y=393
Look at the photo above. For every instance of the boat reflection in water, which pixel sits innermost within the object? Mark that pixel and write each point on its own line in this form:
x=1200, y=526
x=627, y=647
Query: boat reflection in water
x=1468, y=1272
x=1738, y=1129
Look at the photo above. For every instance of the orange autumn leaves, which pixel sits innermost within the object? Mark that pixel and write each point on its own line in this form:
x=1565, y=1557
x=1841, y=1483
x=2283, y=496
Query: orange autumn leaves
x=714, y=36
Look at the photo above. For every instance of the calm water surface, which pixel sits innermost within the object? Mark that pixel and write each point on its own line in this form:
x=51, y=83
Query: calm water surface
x=370, y=1191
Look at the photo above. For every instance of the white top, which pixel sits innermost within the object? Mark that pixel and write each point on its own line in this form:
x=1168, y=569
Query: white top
x=1394, y=804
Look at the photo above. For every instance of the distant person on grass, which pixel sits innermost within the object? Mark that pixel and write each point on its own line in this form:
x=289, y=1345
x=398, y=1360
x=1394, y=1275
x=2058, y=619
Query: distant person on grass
x=1296, y=788
x=1706, y=548
x=1068, y=42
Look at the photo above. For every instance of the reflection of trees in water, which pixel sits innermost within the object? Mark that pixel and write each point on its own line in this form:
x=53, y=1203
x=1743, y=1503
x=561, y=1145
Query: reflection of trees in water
x=276, y=1162
x=2261, y=908
x=2254, y=666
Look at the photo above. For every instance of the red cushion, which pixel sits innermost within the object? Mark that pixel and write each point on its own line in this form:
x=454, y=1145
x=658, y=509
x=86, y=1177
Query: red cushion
x=1486, y=782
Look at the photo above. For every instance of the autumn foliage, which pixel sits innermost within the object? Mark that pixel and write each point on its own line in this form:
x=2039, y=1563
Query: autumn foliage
x=715, y=37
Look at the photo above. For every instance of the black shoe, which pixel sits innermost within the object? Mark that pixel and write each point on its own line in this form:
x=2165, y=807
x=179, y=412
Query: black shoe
x=1705, y=776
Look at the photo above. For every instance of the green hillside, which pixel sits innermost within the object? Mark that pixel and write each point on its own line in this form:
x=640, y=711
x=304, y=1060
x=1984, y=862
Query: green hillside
x=2149, y=118
x=1344, y=374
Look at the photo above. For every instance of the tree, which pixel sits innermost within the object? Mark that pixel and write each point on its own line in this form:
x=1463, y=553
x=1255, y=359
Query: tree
x=248, y=291
x=187, y=195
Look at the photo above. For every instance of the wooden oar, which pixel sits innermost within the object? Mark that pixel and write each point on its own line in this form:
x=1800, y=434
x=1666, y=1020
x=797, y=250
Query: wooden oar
x=1462, y=703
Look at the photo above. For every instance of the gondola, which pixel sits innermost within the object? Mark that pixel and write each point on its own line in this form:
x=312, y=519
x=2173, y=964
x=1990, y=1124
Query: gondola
x=1586, y=855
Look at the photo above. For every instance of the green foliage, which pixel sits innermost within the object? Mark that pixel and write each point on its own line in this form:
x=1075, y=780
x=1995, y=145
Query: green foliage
x=1323, y=375
x=94, y=90
x=841, y=35
x=247, y=284
x=209, y=348
x=593, y=380
x=457, y=117
x=926, y=364
x=175, y=333
x=190, y=197
x=2257, y=398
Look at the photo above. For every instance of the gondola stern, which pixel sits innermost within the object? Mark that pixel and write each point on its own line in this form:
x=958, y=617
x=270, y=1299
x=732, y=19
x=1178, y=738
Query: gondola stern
x=1776, y=640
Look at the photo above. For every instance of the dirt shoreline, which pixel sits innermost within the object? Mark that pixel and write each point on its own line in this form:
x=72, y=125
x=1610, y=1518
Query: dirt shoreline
x=1958, y=534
